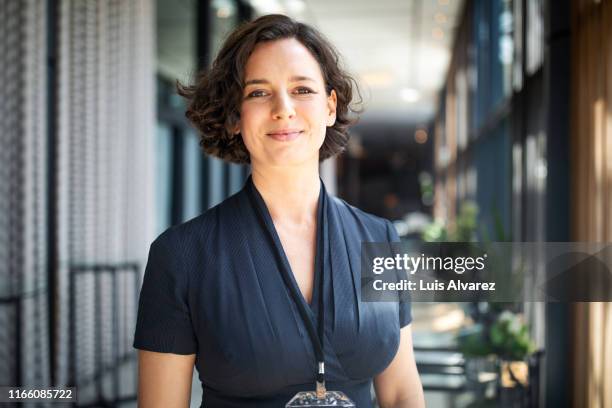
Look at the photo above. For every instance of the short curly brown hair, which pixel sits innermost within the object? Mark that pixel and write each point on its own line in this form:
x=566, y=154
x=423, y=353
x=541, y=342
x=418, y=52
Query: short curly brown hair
x=214, y=99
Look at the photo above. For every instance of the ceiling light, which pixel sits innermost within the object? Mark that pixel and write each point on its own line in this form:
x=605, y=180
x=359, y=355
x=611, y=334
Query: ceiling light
x=420, y=136
x=410, y=95
x=440, y=18
x=224, y=12
x=224, y=8
x=437, y=33
x=443, y=2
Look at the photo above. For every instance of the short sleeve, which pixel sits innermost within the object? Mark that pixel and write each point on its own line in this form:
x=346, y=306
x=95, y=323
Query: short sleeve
x=405, y=308
x=164, y=322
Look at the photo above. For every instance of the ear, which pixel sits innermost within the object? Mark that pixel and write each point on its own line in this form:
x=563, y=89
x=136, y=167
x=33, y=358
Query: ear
x=236, y=129
x=332, y=102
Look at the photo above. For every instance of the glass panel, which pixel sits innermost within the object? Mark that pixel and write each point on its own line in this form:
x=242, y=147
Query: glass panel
x=236, y=178
x=216, y=170
x=482, y=33
x=176, y=34
x=163, y=175
x=535, y=35
x=494, y=54
x=461, y=84
x=493, y=166
x=505, y=46
x=192, y=176
x=519, y=53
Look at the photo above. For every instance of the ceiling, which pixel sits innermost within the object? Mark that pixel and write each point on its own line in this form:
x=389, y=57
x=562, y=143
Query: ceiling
x=398, y=50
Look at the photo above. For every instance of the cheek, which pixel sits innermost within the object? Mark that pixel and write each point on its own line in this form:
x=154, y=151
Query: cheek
x=250, y=120
x=248, y=114
x=316, y=114
x=319, y=122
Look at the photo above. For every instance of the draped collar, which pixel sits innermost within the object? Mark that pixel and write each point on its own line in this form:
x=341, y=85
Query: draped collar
x=322, y=240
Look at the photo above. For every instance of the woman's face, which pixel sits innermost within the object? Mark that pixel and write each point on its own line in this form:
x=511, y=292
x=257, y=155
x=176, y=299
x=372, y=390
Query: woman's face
x=285, y=110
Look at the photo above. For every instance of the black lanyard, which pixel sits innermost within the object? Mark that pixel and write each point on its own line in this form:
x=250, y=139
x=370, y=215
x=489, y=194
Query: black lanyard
x=315, y=334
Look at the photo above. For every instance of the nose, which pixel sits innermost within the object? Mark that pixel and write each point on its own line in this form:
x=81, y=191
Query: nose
x=283, y=107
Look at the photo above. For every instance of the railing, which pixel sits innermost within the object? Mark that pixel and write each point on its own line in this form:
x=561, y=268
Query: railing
x=12, y=328
x=445, y=370
x=102, y=371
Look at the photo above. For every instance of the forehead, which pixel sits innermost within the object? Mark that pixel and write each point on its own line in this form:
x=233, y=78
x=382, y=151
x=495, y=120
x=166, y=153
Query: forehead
x=281, y=59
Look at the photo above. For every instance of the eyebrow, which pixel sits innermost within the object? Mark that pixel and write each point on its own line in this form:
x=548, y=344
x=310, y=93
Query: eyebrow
x=296, y=78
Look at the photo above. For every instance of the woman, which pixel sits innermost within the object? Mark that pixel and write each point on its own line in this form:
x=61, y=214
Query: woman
x=255, y=291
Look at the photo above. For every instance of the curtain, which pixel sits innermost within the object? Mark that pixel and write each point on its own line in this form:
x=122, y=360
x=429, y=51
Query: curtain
x=591, y=142
x=105, y=204
x=24, y=321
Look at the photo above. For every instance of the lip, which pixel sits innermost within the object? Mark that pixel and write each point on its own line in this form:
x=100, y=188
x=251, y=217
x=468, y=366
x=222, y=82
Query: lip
x=284, y=135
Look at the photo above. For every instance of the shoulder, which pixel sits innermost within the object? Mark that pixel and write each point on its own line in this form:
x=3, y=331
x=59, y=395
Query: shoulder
x=380, y=227
x=199, y=230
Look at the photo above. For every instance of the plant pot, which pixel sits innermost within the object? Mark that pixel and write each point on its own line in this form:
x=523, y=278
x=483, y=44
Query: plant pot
x=513, y=373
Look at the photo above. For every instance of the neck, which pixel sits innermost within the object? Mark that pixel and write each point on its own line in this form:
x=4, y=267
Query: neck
x=290, y=194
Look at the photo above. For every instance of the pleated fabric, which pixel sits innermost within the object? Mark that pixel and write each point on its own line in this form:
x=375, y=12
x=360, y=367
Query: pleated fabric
x=213, y=287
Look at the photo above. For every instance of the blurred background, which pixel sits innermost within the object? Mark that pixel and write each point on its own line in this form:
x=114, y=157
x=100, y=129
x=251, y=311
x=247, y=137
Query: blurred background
x=486, y=120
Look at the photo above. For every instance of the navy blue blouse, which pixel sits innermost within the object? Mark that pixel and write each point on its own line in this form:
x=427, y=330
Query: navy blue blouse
x=212, y=287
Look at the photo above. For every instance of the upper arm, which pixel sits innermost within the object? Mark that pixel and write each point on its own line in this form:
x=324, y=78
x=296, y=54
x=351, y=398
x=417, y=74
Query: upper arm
x=164, y=332
x=399, y=384
x=164, y=379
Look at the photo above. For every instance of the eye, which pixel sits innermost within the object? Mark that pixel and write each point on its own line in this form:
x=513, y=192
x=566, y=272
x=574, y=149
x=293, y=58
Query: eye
x=257, y=94
x=304, y=91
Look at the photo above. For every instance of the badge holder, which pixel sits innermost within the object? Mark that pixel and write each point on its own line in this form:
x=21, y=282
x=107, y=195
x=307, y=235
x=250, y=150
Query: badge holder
x=330, y=399
x=321, y=397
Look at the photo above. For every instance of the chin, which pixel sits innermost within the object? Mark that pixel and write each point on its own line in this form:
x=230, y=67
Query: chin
x=290, y=160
